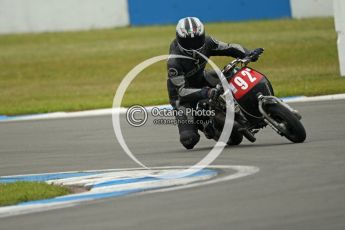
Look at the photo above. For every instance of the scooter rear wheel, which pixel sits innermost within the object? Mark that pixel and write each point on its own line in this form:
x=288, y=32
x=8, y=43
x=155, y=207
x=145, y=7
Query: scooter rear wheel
x=235, y=138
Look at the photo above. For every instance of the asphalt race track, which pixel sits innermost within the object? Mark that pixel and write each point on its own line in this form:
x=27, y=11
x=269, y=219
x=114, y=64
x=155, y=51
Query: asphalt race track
x=299, y=186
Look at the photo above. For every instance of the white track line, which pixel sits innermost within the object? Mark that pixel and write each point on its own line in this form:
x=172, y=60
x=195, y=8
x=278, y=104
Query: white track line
x=102, y=112
x=315, y=98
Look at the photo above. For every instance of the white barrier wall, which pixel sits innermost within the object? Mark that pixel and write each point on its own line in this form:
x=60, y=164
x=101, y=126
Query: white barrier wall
x=20, y=16
x=17, y=16
x=311, y=8
x=339, y=19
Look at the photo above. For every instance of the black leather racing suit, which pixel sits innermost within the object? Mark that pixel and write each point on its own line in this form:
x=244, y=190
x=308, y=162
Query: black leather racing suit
x=187, y=83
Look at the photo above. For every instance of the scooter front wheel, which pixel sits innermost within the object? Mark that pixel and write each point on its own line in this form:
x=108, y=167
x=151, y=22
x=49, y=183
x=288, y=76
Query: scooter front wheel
x=288, y=123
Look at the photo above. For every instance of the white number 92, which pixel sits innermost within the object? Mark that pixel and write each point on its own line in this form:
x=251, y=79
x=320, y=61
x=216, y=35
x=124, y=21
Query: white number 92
x=241, y=82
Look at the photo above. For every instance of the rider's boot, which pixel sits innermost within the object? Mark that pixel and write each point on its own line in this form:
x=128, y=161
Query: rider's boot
x=209, y=130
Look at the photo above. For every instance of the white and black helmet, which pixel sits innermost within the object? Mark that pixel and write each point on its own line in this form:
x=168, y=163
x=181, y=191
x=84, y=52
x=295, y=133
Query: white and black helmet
x=190, y=34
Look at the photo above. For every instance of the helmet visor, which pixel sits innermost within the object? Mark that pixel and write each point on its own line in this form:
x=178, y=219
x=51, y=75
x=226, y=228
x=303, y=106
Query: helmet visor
x=192, y=43
x=191, y=52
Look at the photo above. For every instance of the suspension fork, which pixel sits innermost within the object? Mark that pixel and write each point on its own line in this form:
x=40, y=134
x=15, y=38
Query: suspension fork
x=264, y=100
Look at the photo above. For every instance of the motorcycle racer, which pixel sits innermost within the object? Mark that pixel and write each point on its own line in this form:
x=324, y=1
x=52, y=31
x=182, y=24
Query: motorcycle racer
x=187, y=78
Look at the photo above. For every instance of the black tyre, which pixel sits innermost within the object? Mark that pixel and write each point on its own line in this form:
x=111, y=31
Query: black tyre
x=290, y=126
x=235, y=138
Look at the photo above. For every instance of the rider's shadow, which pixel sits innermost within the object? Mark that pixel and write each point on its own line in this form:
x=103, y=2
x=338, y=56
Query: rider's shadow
x=208, y=148
x=241, y=146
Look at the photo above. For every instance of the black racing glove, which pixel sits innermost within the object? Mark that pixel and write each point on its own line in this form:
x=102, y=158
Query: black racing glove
x=255, y=54
x=212, y=93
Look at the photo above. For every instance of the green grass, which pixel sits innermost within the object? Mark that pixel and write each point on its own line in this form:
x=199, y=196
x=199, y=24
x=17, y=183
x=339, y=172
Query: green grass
x=81, y=70
x=13, y=193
